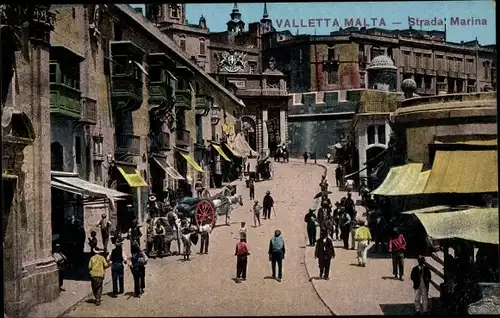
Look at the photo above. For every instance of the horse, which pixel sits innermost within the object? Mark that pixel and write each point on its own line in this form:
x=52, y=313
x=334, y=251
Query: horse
x=225, y=206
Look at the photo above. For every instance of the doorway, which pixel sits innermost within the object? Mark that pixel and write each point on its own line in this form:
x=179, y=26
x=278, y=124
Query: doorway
x=249, y=129
x=372, y=153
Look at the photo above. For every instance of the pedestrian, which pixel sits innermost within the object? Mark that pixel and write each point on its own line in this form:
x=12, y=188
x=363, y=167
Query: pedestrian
x=324, y=252
x=313, y=156
x=60, y=260
x=115, y=235
x=199, y=187
x=354, y=228
x=241, y=254
x=310, y=220
x=328, y=157
x=277, y=254
x=349, y=205
x=323, y=184
x=149, y=236
x=138, y=263
x=397, y=247
x=205, y=230
x=323, y=215
x=338, y=176
x=135, y=233
x=336, y=219
x=268, y=204
x=159, y=237
x=421, y=277
x=105, y=226
x=92, y=242
x=97, y=268
x=251, y=186
x=363, y=237
x=256, y=212
x=305, y=157
x=117, y=259
x=345, y=228
x=243, y=231
x=186, y=242
x=349, y=185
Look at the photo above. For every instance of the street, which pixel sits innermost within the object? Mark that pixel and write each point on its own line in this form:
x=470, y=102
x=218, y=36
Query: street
x=204, y=286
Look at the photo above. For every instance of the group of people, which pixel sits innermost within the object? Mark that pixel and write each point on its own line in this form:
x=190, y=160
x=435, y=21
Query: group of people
x=267, y=206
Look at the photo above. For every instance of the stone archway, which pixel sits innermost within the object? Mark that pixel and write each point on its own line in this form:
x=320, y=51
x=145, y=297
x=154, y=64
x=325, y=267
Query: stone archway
x=249, y=129
x=56, y=156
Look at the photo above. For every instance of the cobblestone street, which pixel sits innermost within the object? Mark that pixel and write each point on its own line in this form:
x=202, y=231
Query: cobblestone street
x=204, y=286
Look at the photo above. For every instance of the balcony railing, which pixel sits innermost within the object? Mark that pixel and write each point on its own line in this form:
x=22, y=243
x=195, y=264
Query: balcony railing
x=160, y=142
x=182, y=137
x=128, y=144
x=89, y=110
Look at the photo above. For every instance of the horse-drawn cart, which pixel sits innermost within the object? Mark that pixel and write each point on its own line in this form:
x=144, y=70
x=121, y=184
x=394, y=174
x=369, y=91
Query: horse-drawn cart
x=265, y=168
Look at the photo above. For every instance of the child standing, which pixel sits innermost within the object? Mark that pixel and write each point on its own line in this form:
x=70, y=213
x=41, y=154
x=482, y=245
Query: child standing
x=243, y=231
x=93, y=242
x=256, y=212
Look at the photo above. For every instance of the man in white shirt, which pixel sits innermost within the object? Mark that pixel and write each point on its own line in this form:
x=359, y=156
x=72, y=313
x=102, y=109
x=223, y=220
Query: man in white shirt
x=205, y=230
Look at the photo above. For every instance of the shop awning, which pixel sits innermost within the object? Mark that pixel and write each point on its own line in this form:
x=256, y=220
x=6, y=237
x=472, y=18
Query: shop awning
x=191, y=162
x=79, y=186
x=174, y=174
x=219, y=150
x=132, y=176
x=402, y=180
x=234, y=152
x=463, y=171
x=432, y=209
x=476, y=224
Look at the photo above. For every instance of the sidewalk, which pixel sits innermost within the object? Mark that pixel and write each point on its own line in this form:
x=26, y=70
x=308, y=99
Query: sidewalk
x=369, y=290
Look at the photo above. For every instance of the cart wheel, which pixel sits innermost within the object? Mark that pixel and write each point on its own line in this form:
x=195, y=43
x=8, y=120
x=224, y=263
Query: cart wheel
x=204, y=211
x=205, y=194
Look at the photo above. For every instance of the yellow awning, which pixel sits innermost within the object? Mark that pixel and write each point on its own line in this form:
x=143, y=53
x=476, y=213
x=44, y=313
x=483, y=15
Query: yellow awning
x=476, y=224
x=487, y=142
x=219, y=150
x=464, y=171
x=132, y=177
x=234, y=152
x=191, y=162
x=403, y=180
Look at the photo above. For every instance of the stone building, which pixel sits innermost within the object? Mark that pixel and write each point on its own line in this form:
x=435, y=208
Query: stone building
x=235, y=59
x=340, y=60
x=30, y=273
x=116, y=103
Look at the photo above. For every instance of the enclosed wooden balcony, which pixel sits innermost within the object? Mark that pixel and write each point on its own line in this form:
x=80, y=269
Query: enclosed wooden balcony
x=128, y=144
x=89, y=111
x=160, y=142
x=183, y=99
x=182, y=137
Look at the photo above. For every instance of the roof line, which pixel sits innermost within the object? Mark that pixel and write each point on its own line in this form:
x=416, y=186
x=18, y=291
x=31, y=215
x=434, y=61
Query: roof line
x=153, y=30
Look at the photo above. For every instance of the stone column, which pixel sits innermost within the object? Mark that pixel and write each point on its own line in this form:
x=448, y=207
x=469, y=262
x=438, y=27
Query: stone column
x=265, y=136
x=283, y=128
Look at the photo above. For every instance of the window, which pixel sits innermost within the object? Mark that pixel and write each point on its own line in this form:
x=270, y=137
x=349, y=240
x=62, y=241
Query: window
x=174, y=11
x=331, y=54
x=333, y=76
x=97, y=147
x=64, y=74
x=118, y=33
x=98, y=171
x=381, y=134
x=376, y=51
x=180, y=84
x=155, y=74
x=182, y=42
x=486, y=66
x=428, y=82
x=418, y=58
x=252, y=68
x=440, y=62
x=427, y=61
x=53, y=73
x=451, y=61
x=458, y=65
x=371, y=135
x=202, y=46
x=470, y=66
x=406, y=58
x=78, y=150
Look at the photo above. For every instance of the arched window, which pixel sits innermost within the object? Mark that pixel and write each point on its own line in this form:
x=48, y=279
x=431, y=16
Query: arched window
x=182, y=42
x=57, y=156
x=202, y=46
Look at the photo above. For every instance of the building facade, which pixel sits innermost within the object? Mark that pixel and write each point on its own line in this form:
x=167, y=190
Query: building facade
x=341, y=60
x=234, y=58
x=117, y=105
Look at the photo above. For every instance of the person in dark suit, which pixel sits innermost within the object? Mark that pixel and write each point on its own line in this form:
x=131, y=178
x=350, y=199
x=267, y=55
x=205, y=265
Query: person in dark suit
x=421, y=277
x=324, y=253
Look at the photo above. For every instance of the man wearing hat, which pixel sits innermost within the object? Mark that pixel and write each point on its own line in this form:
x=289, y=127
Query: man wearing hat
x=268, y=204
x=324, y=252
x=117, y=259
x=310, y=220
x=363, y=237
x=105, y=226
x=421, y=277
x=97, y=268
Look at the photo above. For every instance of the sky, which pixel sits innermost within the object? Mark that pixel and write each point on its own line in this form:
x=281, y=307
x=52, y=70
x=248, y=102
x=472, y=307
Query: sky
x=389, y=15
